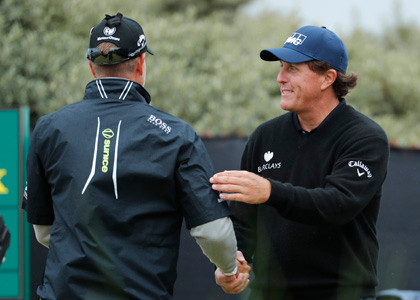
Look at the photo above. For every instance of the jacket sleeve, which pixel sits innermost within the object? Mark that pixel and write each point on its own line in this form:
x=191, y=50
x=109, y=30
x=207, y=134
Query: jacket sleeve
x=198, y=200
x=356, y=178
x=37, y=199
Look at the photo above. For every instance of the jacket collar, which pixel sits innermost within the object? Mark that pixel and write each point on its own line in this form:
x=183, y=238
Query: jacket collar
x=119, y=89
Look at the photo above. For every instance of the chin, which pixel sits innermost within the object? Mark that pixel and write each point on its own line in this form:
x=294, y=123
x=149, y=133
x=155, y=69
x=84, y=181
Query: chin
x=284, y=106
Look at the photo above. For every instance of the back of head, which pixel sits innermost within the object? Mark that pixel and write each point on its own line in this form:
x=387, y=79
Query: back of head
x=115, y=44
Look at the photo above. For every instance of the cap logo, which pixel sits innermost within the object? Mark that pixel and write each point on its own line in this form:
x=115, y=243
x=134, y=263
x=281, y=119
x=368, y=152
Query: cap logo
x=296, y=39
x=109, y=31
x=142, y=41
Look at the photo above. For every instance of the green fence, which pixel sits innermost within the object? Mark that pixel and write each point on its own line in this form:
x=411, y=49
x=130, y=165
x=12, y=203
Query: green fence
x=14, y=140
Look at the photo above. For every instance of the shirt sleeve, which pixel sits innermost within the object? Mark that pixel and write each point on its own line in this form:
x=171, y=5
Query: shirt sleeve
x=217, y=241
x=43, y=234
x=356, y=178
x=37, y=199
x=200, y=203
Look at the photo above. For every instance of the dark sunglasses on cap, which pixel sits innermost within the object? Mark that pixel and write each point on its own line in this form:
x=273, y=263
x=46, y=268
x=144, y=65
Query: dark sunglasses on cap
x=114, y=55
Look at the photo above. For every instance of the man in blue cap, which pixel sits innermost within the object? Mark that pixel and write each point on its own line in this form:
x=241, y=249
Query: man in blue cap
x=306, y=202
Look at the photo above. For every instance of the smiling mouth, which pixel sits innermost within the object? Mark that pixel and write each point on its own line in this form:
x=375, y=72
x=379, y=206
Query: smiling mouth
x=286, y=92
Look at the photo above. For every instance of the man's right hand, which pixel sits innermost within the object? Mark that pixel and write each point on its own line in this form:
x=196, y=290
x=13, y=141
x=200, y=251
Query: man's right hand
x=242, y=186
x=234, y=284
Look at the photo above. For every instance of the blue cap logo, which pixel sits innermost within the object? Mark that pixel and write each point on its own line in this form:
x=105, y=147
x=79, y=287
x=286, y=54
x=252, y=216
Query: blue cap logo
x=296, y=39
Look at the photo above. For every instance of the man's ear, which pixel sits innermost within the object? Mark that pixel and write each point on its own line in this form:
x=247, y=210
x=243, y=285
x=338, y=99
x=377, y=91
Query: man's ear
x=138, y=74
x=140, y=62
x=330, y=77
x=92, y=69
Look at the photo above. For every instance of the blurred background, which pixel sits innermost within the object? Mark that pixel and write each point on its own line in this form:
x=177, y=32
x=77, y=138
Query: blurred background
x=206, y=68
x=207, y=71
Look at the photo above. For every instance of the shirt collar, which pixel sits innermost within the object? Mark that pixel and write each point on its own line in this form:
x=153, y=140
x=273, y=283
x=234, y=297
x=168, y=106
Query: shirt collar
x=299, y=128
x=116, y=89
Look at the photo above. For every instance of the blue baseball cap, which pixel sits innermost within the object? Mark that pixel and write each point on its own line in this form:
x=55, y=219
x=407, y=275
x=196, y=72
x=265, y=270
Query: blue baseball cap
x=311, y=43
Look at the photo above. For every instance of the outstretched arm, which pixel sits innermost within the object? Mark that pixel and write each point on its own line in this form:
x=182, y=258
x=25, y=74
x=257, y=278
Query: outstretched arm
x=217, y=241
x=355, y=179
x=241, y=186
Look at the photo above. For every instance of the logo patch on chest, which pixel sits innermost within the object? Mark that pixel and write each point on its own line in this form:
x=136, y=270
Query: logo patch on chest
x=268, y=156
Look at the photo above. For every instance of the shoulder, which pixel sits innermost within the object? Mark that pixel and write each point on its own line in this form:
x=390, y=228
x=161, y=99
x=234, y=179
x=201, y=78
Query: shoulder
x=60, y=113
x=47, y=123
x=362, y=126
x=170, y=124
x=174, y=133
x=273, y=124
x=355, y=131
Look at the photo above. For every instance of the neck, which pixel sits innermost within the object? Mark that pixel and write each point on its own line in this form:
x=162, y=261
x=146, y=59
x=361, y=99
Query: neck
x=311, y=119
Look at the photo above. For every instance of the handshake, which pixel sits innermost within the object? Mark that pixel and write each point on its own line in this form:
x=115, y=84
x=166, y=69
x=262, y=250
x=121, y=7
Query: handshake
x=234, y=284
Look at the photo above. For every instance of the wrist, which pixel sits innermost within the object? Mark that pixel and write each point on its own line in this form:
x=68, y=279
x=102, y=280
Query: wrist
x=231, y=273
x=266, y=191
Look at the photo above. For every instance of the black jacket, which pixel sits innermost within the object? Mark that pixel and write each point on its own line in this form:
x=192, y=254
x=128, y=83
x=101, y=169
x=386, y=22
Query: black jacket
x=116, y=177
